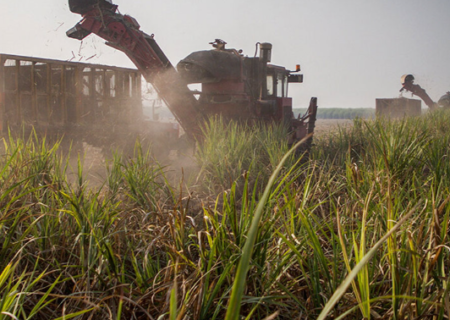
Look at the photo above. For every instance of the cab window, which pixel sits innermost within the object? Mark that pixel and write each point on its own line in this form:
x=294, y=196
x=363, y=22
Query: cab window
x=269, y=84
x=281, y=85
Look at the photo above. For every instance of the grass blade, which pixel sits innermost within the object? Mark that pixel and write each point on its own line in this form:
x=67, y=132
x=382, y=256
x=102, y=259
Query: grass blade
x=352, y=275
x=241, y=274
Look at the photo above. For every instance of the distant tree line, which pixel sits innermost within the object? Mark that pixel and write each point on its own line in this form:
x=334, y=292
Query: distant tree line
x=340, y=113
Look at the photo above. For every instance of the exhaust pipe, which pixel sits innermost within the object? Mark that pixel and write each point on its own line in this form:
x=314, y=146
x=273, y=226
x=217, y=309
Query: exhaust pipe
x=265, y=55
x=265, y=52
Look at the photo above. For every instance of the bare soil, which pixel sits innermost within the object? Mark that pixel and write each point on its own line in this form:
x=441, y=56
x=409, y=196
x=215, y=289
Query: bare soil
x=326, y=125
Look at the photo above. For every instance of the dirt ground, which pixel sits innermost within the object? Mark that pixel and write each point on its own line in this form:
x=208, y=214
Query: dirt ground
x=326, y=125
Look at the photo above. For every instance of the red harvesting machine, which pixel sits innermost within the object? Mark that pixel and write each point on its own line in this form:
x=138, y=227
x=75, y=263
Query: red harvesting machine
x=247, y=89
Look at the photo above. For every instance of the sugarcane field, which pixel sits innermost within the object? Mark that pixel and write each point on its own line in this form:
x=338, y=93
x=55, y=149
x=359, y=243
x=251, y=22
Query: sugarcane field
x=235, y=160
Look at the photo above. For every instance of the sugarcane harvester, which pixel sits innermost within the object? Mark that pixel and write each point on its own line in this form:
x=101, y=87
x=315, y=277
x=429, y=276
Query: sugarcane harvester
x=246, y=89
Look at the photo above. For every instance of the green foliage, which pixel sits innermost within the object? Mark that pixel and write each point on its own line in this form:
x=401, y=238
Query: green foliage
x=360, y=230
x=231, y=152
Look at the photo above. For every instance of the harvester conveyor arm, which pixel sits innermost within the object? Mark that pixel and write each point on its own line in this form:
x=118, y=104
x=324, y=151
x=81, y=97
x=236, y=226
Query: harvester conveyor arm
x=122, y=32
x=417, y=90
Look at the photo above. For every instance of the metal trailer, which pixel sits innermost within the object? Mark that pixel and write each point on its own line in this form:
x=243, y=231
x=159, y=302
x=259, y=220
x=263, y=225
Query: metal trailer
x=54, y=94
x=398, y=107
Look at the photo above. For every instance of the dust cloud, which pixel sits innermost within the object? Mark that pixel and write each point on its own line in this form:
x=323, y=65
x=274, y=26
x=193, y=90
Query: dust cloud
x=96, y=146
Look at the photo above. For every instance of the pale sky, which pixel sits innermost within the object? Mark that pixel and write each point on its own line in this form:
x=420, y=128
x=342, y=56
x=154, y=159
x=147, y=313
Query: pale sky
x=351, y=51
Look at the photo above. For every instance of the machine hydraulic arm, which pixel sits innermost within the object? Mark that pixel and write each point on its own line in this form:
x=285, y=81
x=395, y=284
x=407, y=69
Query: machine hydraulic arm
x=408, y=84
x=123, y=33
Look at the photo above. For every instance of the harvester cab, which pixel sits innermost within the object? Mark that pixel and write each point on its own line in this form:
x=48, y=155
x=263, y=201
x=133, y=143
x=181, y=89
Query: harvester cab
x=444, y=101
x=238, y=87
